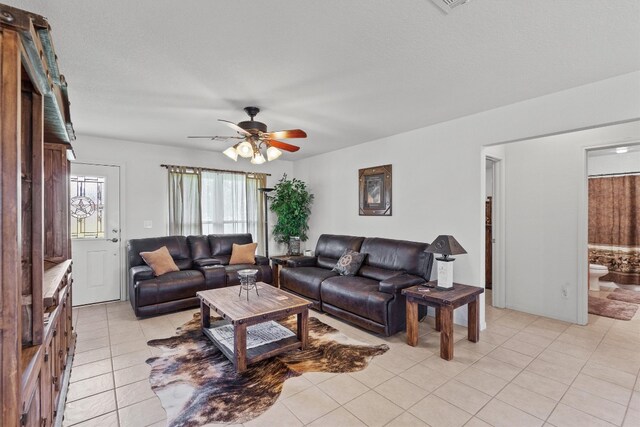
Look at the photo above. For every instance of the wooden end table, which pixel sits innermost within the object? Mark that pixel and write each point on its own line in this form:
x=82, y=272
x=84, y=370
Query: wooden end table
x=276, y=262
x=271, y=304
x=444, y=302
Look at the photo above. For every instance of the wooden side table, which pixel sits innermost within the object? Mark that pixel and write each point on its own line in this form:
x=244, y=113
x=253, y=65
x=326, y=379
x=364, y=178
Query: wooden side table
x=276, y=262
x=444, y=302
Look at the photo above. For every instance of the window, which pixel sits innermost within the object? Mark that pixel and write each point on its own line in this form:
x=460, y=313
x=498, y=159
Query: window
x=219, y=203
x=87, y=207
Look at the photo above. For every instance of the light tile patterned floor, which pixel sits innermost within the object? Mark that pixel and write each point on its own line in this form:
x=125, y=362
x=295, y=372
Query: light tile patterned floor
x=526, y=370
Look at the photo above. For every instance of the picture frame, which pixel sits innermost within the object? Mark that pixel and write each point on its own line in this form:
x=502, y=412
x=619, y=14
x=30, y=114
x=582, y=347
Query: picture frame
x=375, y=191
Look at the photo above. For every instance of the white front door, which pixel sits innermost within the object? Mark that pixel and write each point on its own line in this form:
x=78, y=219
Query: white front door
x=95, y=233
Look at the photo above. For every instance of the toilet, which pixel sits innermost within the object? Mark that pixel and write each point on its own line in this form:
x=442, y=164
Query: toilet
x=596, y=271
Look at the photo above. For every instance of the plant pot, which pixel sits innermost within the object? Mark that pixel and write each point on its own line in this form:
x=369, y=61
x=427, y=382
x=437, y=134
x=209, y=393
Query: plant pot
x=294, y=246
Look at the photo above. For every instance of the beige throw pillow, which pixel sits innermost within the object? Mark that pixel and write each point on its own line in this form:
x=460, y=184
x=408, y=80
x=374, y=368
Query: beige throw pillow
x=160, y=261
x=243, y=254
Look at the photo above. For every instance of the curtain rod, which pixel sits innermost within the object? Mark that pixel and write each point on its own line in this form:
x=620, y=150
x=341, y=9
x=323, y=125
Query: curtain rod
x=216, y=170
x=615, y=174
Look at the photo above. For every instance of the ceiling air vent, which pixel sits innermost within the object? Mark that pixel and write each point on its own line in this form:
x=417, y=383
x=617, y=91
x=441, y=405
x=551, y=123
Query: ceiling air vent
x=448, y=5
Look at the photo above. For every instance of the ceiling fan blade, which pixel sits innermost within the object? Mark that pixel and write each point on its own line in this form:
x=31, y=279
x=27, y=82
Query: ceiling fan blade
x=291, y=133
x=235, y=127
x=216, y=138
x=283, y=145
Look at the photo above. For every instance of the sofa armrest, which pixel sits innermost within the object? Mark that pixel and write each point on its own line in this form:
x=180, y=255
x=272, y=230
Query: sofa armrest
x=262, y=260
x=215, y=275
x=304, y=261
x=204, y=262
x=140, y=272
x=396, y=283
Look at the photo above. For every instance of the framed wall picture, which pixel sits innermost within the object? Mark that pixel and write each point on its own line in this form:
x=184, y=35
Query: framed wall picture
x=375, y=191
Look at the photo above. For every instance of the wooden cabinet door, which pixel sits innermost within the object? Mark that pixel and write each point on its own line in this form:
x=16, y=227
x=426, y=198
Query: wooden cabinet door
x=57, y=242
x=32, y=414
x=46, y=389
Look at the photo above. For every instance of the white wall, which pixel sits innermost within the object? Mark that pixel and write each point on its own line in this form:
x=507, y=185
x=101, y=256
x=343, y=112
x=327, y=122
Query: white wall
x=438, y=174
x=614, y=163
x=545, y=180
x=144, y=182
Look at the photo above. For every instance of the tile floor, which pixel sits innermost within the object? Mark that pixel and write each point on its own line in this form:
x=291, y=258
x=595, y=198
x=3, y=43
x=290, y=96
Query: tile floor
x=526, y=370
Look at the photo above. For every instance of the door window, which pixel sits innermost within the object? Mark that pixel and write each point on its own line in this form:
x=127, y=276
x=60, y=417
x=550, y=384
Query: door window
x=87, y=207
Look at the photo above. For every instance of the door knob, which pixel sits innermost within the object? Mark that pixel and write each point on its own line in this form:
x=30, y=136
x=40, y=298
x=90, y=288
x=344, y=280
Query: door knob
x=114, y=240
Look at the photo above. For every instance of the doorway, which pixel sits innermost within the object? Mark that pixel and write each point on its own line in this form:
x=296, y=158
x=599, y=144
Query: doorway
x=493, y=228
x=95, y=232
x=488, y=221
x=613, y=237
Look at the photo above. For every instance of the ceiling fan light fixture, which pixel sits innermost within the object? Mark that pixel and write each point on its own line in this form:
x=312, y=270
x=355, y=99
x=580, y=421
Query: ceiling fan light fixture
x=258, y=158
x=245, y=149
x=273, y=153
x=231, y=153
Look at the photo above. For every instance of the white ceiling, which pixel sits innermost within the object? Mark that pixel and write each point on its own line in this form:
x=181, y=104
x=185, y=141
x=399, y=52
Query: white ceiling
x=347, y=72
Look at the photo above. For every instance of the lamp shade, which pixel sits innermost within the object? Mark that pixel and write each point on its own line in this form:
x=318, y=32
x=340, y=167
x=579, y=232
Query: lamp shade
x=231, y=153
x=245, y=149
x=258, y=158
x=446, y=245
x=273, y=153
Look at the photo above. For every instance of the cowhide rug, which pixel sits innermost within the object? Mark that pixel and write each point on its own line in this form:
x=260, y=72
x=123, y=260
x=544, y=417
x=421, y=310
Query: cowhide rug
x=197, y=384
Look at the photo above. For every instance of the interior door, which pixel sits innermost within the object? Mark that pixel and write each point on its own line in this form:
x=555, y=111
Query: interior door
x=95, y=233
x=488, y=256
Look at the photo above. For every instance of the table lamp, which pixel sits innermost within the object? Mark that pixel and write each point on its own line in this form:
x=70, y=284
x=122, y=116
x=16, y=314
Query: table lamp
x=445, y=245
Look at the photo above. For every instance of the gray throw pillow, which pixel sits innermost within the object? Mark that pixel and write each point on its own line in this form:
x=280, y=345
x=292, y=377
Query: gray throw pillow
x=349, y=263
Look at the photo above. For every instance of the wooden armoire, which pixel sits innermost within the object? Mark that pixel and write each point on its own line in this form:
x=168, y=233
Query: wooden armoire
x=36, y=335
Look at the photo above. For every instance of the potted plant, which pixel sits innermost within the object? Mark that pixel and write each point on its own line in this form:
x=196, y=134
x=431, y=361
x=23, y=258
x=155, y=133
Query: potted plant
x=291, y=202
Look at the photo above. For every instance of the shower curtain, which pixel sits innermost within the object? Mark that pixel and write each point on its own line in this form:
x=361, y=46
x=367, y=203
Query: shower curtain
x=614, y=226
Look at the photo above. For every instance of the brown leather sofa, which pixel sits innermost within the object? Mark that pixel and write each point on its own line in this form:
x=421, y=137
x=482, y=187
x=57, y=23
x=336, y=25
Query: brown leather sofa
x=371, y=299
x=203, y=262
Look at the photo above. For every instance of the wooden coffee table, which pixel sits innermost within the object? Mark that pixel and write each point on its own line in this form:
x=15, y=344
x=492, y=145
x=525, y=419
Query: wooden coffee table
x=271, y=304
x=444, y=302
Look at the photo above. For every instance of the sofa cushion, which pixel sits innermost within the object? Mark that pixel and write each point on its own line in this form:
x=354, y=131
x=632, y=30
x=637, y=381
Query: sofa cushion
x=177, y=246
x=330, y=248
x=170, y=287
x=305, y=281
x=222, y=244
x=199, y=247
x=243, y=254
x=160, y=261
x=398, y=255
x=349, y=263
x=357, y=295
x=377, y=273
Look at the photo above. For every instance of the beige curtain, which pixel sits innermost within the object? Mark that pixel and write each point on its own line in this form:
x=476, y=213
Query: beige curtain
x=614, y=226
x=185, y=217
x=614, y=210
x=255, y=209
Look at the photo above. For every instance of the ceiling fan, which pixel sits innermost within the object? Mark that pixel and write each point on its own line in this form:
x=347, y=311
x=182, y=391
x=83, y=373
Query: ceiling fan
x=254, y=137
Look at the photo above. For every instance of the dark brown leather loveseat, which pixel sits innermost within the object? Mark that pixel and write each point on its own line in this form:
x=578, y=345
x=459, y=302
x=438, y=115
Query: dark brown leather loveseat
x=203, y=262
x=372, y=298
